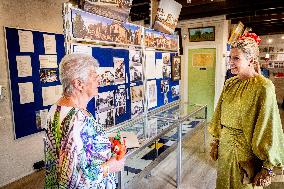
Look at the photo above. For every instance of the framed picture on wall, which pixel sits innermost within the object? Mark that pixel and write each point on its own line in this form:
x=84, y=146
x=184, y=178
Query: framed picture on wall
x=176, y=68
x=201, y=34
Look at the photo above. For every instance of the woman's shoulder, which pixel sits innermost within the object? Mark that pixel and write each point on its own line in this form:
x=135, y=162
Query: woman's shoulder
x=264, y=82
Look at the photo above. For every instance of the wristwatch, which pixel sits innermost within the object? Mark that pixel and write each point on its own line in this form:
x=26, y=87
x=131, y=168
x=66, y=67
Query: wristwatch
x=270, y=171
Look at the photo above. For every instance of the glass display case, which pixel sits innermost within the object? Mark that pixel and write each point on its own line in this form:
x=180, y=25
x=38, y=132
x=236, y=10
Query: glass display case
x=160, y=132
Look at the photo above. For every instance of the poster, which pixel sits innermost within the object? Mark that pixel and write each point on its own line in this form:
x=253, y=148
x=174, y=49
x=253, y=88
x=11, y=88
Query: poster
x=167, y=16
x=24, y=66
x=152, y=93
x=202, y=60
x=41, y=118
x=49, y=44
x=119, y=67
x=159, y=68
x=51, y=94
x=26, y=42
x=150, y=73
x=26, y=92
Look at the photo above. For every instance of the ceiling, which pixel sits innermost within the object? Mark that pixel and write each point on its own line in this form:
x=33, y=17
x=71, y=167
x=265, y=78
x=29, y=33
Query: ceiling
x=265, y=17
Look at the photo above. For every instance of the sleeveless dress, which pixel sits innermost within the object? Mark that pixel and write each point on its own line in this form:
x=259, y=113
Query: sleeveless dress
x=247, y=123
x=75, y=148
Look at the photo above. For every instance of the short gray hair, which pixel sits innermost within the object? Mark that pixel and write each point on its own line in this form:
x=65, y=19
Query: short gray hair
x=75, y=66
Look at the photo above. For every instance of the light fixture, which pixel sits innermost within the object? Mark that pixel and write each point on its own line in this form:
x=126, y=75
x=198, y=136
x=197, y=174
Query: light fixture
x=267, y=56
x=269, y=40
x=188, y=1
x=282, y=37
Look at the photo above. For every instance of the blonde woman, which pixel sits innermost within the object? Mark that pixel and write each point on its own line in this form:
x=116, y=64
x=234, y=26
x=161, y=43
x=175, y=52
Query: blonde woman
x=246, y=126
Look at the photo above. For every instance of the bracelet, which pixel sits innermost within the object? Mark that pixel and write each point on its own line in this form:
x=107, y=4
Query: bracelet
x=270, y=171
x=105, y=170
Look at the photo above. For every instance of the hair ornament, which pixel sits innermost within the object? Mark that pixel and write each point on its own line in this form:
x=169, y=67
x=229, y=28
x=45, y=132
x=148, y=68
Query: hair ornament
x=252, y=36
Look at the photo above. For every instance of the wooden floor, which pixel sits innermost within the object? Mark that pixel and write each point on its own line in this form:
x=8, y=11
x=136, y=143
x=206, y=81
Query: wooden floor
x=198, y=170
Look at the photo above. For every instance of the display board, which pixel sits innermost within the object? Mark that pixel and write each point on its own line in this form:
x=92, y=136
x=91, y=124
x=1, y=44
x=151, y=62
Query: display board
x=33, y=58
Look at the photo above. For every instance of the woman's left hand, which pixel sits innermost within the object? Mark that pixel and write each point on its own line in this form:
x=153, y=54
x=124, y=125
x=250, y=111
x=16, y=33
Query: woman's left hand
x=262, y=178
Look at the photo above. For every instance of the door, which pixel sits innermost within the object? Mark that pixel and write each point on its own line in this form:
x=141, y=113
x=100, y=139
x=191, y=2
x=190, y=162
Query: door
x=201, y=77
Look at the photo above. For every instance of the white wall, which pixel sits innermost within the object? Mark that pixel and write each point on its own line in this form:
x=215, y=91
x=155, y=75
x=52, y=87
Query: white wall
x=221, y=36
x=17, y=156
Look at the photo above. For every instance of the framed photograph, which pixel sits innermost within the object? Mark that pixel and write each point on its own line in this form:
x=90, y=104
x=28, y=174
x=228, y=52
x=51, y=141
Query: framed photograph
x=176, y=68
x=201, y=34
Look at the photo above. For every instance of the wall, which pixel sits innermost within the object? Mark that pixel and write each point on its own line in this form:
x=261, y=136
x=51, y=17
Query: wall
x=17, y=156
x=221, y=36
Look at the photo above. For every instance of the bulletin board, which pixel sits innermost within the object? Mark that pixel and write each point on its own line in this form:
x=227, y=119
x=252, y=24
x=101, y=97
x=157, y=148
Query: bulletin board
x=106, y=55
x=33, y=58
x=165, y=84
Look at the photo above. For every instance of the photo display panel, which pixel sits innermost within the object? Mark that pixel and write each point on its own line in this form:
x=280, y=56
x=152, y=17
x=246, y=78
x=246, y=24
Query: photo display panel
x=33, y=60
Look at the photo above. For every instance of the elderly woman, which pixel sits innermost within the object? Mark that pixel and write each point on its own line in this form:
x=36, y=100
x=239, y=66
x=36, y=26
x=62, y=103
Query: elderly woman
x=78, y=152
x=246, y=123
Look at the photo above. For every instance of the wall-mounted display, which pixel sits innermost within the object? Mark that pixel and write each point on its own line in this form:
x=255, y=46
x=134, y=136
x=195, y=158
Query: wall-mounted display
x=167, y=16
x=87, y=26
x=176, y=68
x=201, y=34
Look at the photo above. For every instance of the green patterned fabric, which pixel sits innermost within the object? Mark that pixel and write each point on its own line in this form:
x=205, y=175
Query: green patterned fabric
x=247, y=123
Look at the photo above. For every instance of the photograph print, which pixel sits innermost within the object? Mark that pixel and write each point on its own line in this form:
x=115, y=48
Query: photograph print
x=175, y=91
x=119, y=67
x=106, y=118
x=165, y=86
x=166, y=57
x=106, y=75
x=135, y=65
x=104, y=101
x=137, y=108
x=166, y=71
x=48, y=75
x=176, y=68
x=136, y=93
x=120, y=97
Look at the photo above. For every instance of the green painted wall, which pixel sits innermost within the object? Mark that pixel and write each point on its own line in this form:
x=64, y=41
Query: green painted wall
x=201, y=77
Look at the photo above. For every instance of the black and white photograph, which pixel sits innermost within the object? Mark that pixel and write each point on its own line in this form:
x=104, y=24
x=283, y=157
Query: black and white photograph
x=104, y=101
x=48, y=75
x=176, y=68
x=106, y=118
x=120, y=97
x=166, y=71
x=106, y=75
x=135, y=65
x=136, y=93
x=120, y=110
x=119, y=67
x=175, y=91
x=165, y=86
x=136, y=108
x=136, y=73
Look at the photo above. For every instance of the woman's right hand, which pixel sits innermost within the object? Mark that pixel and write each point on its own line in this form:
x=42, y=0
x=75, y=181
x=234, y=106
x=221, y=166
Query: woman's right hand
x=116, y=165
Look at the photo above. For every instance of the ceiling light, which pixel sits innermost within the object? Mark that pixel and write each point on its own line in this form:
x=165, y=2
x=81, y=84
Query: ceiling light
x=269, y=40
x=282, y=37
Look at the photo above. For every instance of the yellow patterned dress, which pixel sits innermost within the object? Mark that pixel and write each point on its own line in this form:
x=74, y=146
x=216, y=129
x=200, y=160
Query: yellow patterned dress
x=247, y=123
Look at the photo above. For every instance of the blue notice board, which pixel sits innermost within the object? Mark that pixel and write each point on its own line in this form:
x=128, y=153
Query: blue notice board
x=33, y=76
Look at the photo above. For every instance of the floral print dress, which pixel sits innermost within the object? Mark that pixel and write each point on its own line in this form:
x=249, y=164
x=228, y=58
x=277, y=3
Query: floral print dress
x=75, y=148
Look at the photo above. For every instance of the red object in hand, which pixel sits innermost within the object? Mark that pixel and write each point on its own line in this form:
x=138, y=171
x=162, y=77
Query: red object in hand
x=118, y=148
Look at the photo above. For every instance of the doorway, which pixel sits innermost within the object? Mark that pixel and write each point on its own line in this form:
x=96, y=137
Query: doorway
x=201, y=77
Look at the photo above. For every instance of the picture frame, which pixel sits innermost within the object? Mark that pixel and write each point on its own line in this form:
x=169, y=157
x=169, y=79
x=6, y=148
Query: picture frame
x=176, y=68
x=201, y=34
